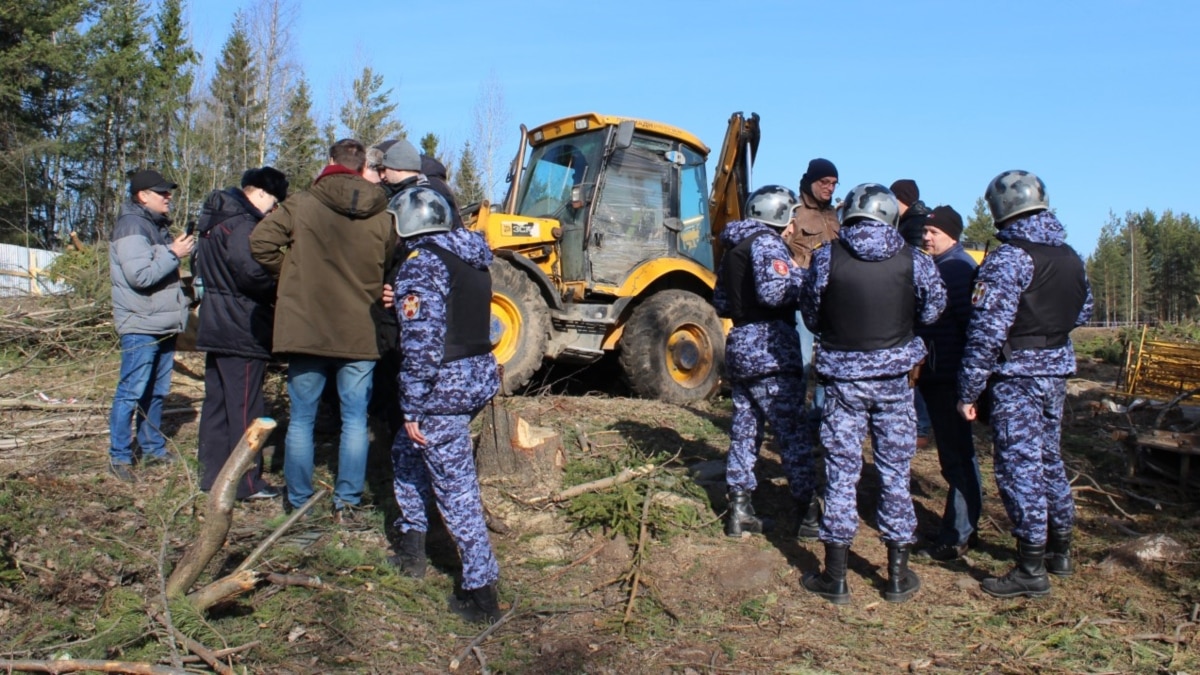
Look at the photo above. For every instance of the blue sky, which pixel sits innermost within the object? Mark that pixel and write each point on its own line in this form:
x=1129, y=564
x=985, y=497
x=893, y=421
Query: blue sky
x=1100, y=99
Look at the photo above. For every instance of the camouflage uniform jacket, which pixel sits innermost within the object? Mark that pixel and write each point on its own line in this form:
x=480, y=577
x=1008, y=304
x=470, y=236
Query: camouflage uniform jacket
x=422, y=287
x=813, y=226
x=761, y=347
x=1000, y=281
x=872, y=240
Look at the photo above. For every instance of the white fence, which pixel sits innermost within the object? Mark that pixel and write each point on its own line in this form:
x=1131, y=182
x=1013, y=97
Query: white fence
x=23, y=272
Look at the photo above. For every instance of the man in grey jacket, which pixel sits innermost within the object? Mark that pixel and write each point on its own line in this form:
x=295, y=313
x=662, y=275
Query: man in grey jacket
x=149, y=311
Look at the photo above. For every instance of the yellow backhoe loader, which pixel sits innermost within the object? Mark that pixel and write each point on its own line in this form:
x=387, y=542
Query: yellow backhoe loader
x=607, y=241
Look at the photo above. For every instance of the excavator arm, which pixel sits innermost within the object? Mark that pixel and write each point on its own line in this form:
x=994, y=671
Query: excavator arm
x=731, y=181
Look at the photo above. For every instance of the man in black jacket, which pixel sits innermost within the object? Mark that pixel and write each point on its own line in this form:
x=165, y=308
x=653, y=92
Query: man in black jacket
x=236, y=322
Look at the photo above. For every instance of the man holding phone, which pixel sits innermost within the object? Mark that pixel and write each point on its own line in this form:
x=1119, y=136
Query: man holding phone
x=149, y=311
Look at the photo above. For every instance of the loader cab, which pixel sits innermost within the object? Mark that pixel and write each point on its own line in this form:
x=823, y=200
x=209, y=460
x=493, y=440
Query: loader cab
x=623, y=193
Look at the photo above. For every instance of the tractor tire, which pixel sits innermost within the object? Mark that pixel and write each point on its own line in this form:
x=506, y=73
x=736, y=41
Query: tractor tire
x=673, y=348
x=520, y=324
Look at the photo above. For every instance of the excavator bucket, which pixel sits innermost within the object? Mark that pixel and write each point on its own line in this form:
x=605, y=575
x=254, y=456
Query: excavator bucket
x=731, y=181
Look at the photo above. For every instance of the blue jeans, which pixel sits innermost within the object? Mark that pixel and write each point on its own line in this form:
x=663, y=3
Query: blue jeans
x=145, y=379
x=305, y=381
x=924, y=425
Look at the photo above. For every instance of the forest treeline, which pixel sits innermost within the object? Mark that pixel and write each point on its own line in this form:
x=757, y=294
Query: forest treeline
x=93, y=89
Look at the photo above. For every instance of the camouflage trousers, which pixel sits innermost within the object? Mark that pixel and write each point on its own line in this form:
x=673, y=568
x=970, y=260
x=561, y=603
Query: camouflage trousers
x=884, y=408
x=1026, y=433
x=776, y=399
x=443, y=471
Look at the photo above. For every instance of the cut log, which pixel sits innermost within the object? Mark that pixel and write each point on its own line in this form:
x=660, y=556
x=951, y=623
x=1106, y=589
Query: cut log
x=219, y=511
x=512, y=449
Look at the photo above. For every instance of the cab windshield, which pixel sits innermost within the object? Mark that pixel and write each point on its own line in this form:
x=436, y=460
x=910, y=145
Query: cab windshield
x=557, y=167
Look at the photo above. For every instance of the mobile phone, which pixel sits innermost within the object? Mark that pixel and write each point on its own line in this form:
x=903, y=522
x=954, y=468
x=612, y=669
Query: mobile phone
x=191, y=227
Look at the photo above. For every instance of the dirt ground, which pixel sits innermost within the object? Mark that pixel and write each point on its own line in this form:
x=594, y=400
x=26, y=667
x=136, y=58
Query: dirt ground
x=83, y=556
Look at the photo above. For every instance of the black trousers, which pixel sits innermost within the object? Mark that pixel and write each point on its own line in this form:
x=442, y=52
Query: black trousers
x=233, y=398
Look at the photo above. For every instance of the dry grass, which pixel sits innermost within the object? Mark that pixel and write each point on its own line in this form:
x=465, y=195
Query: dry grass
x=82, y=558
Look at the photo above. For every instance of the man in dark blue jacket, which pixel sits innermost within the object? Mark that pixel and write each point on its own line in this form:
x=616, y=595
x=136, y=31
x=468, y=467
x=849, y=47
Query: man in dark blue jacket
x=938, y=385
x=236, y=321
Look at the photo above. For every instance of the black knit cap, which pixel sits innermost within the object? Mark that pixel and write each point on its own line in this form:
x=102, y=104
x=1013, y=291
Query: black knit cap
x=269, y=179
x=819, y=168
x=906, y=191
x=947, y=220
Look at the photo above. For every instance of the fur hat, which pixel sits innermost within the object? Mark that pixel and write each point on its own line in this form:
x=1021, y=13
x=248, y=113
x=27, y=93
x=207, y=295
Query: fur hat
x=269, y=179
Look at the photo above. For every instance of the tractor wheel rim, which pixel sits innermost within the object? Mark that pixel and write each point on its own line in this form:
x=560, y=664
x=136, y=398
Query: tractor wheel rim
x=504, y=328
x=689, y=355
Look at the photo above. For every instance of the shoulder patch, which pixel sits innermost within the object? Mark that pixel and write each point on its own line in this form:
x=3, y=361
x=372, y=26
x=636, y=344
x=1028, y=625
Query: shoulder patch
x=780, y=267
x=414, y=254
x=410, y=307
x=978, y=293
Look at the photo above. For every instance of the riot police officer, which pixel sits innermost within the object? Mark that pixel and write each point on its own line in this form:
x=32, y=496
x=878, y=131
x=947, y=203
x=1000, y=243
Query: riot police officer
x=861, y=296
x=758, y=287
x=1029, y=294
x=447, y=374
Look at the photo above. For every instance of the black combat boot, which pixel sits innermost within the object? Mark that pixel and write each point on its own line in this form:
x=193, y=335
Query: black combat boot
x=741, y=516
x=1028, y=578
x=410, y=554
x=478, y=605
x=810, y=523
x=901, y=582
x=831, y=584
x=1058, y=553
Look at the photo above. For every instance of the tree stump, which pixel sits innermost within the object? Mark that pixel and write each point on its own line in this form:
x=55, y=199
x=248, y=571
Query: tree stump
x=515, y=451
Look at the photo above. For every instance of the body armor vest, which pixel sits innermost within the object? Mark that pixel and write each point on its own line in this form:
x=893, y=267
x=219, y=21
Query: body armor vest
x=738, y=278
x=468, y=307
x=1050, y=305
x=867, y=305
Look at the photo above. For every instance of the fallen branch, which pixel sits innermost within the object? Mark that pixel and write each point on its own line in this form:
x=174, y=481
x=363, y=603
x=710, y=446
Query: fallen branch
x=1156, y=637
x=223, y=589
x=79, y=665
x=195, y=647
x=222, y=653
x=625, y=476
x=578, y=561
x=457, y=660
x=258, y=552
x=219, y=511
x=304, y=580
x=636, y=576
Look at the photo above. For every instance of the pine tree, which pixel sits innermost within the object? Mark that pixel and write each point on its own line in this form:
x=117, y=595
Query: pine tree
x=166, y=108
x=467, y=188
x=41, y=59
x=114, y=78
x=234, y=90
x=369, y=115
x=299, y=150
x=980, y=231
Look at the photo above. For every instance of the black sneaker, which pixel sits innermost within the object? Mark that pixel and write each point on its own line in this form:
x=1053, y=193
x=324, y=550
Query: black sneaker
x=941, y=552
x=123, y=472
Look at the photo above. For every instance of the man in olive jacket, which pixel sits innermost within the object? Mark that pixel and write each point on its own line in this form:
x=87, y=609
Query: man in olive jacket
x=338, y=237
